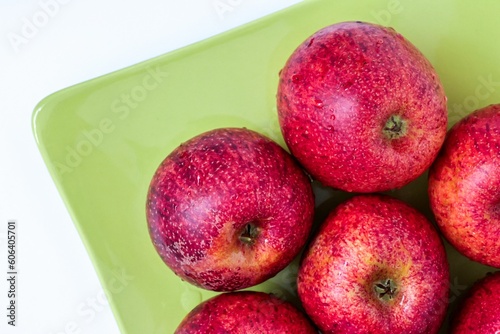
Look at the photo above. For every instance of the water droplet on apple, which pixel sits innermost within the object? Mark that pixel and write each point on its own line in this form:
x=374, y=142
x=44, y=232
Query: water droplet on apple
x=296, y=78
x=318, y=103
x=332, y=117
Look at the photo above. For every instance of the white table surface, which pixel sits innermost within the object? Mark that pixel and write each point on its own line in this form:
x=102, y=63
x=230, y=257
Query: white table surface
x=45, y=46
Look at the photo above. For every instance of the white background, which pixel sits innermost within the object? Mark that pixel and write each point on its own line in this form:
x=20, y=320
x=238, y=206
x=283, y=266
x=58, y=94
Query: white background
x=45, y=46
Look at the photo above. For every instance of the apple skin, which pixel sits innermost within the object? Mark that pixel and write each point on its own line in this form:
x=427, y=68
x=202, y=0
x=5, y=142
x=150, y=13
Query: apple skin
x=337, y=94
x=229, y=209
x=464, y=186
x=480, y=312
x=245, y=312
x=365, y=242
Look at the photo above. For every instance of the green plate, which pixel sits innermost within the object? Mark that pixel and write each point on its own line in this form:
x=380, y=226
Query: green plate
x=103, y=139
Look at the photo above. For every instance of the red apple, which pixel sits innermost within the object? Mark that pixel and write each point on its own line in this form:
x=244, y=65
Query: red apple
x=376, y=266
x=245, y=313
x=464, y=186
x=229, y=209
x=480, y=312
x=361, y=108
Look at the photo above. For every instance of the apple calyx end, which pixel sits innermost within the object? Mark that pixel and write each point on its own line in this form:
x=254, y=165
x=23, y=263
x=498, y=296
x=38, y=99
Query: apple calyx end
x=385, y=289
x=395, y=127
x=249, y=234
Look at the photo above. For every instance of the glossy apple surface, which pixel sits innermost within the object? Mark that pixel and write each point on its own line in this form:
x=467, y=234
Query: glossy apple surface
x=480, y=312
x=361, y=108
x=376, y=266
x=229, y=209
x=245, y=313
x=464, y=186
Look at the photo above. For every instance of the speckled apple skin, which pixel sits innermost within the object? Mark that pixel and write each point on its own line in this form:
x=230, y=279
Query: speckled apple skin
x=366, y=239
x=245, y=312
x=206, y=191
x=464, y=186
x=335, y=95
x=480, y=312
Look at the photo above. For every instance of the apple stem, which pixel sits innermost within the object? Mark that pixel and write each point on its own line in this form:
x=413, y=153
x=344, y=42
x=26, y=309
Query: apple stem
x=395, y=127
x=386, y=290
x=249, y=234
